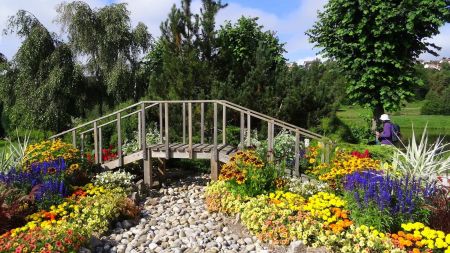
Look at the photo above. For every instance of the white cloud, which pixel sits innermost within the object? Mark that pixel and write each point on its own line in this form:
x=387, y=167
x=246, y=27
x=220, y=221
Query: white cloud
x=442, y=40
x=290, y=27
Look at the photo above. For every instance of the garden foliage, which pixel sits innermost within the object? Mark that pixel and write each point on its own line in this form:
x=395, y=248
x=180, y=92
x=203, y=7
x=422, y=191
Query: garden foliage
x=352, y=205
x=42, y=210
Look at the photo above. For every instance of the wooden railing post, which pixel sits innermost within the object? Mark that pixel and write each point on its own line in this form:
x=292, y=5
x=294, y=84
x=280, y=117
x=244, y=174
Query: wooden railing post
x=249, y=130
x=82, y=144
x=190, y=129
x=166, y=128
x=297, y=154
x=242, y=130
x=139, y=138
x=224, y=124
x=119, y=140
x=74, y=138
x=100, y=145
x=143, y=132
x=322, y=156
x=270, y=133
x=96, y=160
x=214, y=154
x=184, y=122
x=160, y=123
x=202, y=123
x=327, y=151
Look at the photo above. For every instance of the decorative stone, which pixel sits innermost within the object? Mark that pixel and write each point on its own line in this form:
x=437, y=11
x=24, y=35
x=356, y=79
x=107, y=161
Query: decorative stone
x=296, y=246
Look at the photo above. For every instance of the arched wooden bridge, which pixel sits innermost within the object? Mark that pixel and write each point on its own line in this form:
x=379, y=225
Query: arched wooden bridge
x=203, y=148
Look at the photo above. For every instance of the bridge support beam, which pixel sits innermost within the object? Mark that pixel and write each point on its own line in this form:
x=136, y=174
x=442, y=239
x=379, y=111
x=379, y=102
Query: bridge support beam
x=214, y=169
x=162, y=167
x=148, y=168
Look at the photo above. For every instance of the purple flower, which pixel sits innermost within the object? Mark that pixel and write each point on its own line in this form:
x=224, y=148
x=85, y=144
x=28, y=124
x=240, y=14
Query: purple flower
x=398, y=196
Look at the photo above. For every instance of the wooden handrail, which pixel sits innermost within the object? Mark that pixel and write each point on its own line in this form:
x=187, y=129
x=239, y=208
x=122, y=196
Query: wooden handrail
x=246, y=116
x=268, y=118
x=228, y=104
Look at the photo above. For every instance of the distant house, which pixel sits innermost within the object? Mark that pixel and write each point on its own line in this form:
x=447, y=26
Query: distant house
x=437, y=64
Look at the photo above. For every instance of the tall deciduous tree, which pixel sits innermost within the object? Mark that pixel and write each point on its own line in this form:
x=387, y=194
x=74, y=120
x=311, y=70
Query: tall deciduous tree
x=248, y=64
x=38, y=88
x=377, y=43
x=181, y=62
x=112, y=49
x=3, y=59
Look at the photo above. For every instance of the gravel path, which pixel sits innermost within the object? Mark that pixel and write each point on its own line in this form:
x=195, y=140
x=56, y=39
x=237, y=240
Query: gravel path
x=175, y=219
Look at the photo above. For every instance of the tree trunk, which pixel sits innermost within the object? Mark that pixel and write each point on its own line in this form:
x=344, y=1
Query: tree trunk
x=376, y=113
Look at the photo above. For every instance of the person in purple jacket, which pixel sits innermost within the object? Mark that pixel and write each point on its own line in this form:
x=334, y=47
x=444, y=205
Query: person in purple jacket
x=386, y=136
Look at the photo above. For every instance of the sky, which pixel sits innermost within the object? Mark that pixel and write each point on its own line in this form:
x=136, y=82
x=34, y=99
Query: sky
x=290, y=19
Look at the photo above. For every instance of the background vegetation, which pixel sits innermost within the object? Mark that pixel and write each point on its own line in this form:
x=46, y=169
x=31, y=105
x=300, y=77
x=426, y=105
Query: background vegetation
x=105, y=64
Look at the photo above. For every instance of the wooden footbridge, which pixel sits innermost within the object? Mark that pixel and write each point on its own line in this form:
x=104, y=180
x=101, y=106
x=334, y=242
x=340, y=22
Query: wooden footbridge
x=184, y=143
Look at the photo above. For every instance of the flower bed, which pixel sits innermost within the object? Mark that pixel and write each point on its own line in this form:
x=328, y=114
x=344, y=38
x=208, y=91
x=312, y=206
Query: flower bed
x=44, y=211
x=352, y=206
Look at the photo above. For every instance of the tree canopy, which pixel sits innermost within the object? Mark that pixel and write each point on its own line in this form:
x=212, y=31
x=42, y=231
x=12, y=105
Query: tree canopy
x=377, y=44
x=112, y=48
x=38, y=88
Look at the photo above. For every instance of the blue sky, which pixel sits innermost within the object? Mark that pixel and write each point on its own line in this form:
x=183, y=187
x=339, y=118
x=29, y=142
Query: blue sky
x=288, y=18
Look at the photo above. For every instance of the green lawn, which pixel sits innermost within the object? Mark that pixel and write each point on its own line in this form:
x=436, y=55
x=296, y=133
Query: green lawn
x=408, y=117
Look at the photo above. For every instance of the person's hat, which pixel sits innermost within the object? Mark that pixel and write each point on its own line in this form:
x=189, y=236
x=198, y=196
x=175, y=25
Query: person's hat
x=384, y=117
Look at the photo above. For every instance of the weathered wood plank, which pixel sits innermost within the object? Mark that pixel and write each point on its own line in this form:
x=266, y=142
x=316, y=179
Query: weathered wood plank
x=161, y=123
x=242, y=131
x=100, y=144
x=270, y=132
x=232, y=150
x=148, y=168
x=158, y=147
x=224, y=124
x=143, y=131
x=74, y=138
x=194, y=147
x=119, y=140
x=201, y=148
x=190, y=129
x=166, y=128
x=214, y=154
x=139, y=129
x=82, y=144
x=96, y=143
x=176, y=146
x=184, y=122
x=249, y=130
x=202, y=123
x=183, y=148
x=297, y=154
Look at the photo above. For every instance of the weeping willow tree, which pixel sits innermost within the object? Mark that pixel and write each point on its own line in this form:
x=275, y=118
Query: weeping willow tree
x=38, y=86
x=111, y=47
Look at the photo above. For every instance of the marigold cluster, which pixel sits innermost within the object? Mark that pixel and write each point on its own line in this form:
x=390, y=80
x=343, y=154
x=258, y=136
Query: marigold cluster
x=235, y=168
x=417, y=237
x=345, y=164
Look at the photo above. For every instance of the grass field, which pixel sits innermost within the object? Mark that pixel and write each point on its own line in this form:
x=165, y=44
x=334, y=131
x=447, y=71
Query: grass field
x=407, y=118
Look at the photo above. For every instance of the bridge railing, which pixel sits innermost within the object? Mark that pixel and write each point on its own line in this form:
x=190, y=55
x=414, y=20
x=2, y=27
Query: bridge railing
x=93, y=129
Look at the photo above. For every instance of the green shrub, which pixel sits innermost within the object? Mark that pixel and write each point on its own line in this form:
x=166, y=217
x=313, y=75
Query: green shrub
x=246, y=174
x=437, y=104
